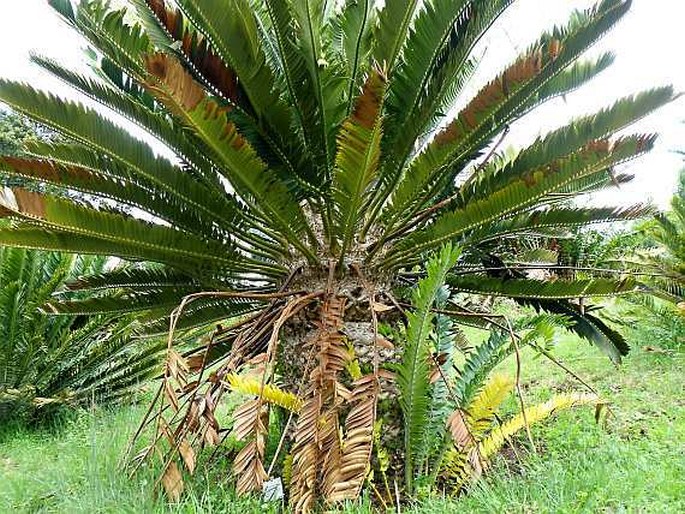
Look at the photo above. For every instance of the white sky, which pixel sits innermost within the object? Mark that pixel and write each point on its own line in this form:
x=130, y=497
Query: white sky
x=647, y=43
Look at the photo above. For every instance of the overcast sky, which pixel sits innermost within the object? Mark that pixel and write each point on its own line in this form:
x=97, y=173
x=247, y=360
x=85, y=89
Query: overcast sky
x=648, y=45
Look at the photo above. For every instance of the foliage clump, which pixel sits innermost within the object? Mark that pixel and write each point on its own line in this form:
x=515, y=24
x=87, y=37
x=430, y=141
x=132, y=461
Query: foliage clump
x=48, y=362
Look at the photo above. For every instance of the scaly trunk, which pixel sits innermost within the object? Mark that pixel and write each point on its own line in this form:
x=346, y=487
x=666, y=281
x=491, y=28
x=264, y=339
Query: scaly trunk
x=320, y=339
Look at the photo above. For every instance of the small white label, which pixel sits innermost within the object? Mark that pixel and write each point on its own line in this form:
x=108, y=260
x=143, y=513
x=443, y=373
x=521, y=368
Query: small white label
x=272, y=490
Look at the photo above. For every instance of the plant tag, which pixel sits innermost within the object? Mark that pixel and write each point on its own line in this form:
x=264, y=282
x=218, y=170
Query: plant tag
x=272, y=490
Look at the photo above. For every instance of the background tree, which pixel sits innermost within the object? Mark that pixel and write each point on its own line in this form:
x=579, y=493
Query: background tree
x=313, y=173
x=14, y=133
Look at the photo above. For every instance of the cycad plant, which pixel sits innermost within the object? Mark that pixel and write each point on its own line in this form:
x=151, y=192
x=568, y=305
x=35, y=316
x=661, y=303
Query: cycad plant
x=656, y=250
x=308, y=162
x=653, y=248
x=667, y=260
x=47, y=361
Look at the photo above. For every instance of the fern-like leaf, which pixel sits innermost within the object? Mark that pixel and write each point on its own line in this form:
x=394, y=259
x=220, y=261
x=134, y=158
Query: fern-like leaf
x=413, y=371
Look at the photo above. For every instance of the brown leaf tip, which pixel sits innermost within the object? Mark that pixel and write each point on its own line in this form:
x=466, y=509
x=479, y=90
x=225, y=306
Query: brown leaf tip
x=369, y=102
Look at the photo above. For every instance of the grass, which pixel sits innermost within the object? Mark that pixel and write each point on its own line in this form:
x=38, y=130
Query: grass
x=636, y=463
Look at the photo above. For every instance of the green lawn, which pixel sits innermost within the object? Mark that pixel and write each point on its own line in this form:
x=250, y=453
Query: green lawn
x=634, y=464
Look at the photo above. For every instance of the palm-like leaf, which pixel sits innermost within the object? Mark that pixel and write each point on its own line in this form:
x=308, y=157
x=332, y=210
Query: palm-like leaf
x=668, y=261
x=413, y=371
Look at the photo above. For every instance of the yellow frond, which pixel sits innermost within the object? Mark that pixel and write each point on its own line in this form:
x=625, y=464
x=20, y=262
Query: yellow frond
x=353, y=367
x=455, y=467
x=482, y=408
x=495, y=440
x=270, y=393
x=287, y=468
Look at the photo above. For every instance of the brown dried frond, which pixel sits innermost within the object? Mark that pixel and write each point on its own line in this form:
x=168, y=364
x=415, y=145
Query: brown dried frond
x=457, y=425
x=173, y=85
x=183, y=413
x=177, y=367
x=555, y=48
x=523, y=70
x=317, y=448
x=175, y=378
x=305, y=456
x=466, y=460
x=30, y=203
x=187, y=453
x=332, y=355
x=42, y=169
x=173, y=482
x=251, y=421
x=197, y=50
x=369, y=102
x=345, y=481
x=192, y=398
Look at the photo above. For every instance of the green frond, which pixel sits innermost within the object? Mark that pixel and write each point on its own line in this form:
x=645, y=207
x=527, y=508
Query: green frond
x=45, y=361
x=602, y=180
x=391, y=32
x=558, y=218
x=479, y=364
x=63, y=7
x=586, y=325
x=447, y=341
x=537, y=289
x=540, y=330
x=511, y=94
x=521, y=194
x=142, y=115
x=231, y=29
x=355, y=25
x=87, y=127
x=242, y=166
x=297, y=78
x=357, y=159
x=566, y=140
x=574, y=77
x=115, y=184
x=413, y=369
x=131, y=277
x=440, y=42
x=149, y=241
x=328, y=88
x=124, y=301
x=108, y=30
